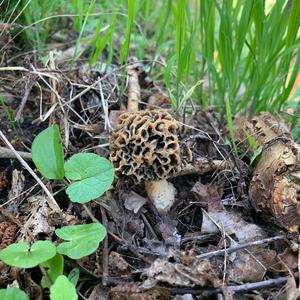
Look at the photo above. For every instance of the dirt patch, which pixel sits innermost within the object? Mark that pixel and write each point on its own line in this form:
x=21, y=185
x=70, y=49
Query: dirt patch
x=149, y=254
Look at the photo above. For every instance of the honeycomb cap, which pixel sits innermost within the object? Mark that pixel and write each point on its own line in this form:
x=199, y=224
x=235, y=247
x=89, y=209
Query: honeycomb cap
x=145, y=146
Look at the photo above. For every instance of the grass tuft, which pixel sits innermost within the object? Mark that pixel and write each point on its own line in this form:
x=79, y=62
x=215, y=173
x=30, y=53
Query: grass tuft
x=246, y=51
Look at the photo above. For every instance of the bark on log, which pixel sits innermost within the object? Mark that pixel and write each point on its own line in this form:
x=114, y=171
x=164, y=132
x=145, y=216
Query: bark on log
x=275, y=185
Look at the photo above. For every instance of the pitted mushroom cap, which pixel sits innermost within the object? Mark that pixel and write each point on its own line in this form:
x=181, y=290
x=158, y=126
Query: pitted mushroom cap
x=145, y=145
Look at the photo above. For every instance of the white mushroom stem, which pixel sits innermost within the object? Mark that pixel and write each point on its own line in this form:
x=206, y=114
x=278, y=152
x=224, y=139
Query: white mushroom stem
x=162, y=193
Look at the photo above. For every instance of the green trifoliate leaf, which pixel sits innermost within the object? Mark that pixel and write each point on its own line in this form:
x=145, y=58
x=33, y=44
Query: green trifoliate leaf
x=54, y=268
x=13, y=294
x=82, y=240
x=63, y=289
x=21, y=255
x=92, y=174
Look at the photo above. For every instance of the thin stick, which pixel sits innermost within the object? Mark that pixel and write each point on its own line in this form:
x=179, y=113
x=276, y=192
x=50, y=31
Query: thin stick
x=203, y=166
x=149, y=226
x=107, y=125
x=235, y=288
x=119, y=240
x=7, y=153
x=225, y=256
x=232, y=240
x=240, y=247
x=105, y=274
x=134, y=90
x=28, y=88
x=90, y=214
x=51, y=201
x=46, y=276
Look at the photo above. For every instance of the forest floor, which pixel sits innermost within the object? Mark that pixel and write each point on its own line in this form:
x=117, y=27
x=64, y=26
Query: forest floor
x=217, y=241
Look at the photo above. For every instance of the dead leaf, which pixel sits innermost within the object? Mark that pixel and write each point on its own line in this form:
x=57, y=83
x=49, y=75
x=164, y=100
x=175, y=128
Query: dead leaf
x=61, y=219
x=130, y=292
x=232, y=223
x=128, y=222
x=228, y=293
x=289, y=259
x=292, y=292
x=156, y=246
x=133, y=201
x=98, y=293
x=3, y=180
x=158, y=99
x=117, y=263
x=17, y=186
x=169, y=232
x=128, y=288
x=178, y=274
x=114, y=116
x=8, y=98
x=243, y=266
x=39, y=212
x=250, y=268
x=183, y=297
x=63, y=56
x=209, y=195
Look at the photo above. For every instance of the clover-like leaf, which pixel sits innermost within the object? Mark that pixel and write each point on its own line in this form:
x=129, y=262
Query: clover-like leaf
x=21, y=255
x=54, y=268
x=92, y=174
x=63, y=289
x=13, y=294
x=48, y=154
x=82, y=239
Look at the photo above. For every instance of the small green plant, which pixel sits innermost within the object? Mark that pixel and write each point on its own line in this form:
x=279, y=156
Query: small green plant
x=90, y=175
x=88, y=170
x=254, y=148
x=54, y=268
x=87, y=176
x=82, y=240
x=8, y=115
x=22, y=255
x=74, y=276
x=63, y=289
x=13, y=294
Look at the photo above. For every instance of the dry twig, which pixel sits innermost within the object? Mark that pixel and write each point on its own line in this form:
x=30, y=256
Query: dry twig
x=8, y=153
x=51, y=201
x=235, y=288
x=240, y=247
x=105, y=249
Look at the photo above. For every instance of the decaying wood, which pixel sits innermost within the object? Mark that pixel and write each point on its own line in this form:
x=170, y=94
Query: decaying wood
x=275, y=185
x=202, y=166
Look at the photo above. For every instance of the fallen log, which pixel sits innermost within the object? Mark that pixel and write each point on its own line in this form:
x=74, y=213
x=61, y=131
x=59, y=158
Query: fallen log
x=275, y=184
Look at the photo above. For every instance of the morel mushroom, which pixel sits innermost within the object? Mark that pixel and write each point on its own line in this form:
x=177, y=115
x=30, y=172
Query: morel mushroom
x=145, y=146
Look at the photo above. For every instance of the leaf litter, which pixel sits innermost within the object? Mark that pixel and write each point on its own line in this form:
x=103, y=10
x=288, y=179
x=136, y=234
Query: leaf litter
x=151, y=256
